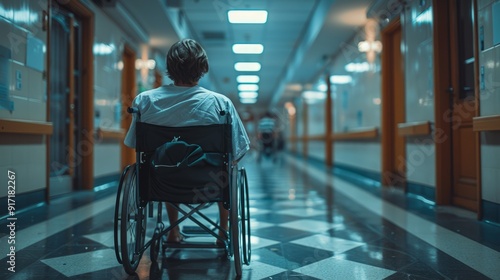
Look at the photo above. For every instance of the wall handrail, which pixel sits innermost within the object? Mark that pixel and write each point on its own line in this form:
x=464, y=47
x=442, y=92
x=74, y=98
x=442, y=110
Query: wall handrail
x=110, y=133
x=26, y=127
x=414, y=128
x=358, y=134
x=486, y=123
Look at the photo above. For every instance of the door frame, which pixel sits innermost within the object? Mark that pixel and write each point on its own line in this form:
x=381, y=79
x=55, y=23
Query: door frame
x=477, y=93
x=443, y=81
x=387, y=123
x=128, y=91
x=47, y=26
x=86, y=145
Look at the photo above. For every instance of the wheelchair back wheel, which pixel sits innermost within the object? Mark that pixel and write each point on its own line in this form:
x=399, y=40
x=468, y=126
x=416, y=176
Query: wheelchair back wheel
x=117, y=227
x=245, y=217
x=240, y=222
x=132, y=223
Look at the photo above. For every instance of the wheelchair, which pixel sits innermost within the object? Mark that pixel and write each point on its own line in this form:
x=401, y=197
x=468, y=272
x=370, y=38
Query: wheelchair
x=184, y=166
x=267, y=146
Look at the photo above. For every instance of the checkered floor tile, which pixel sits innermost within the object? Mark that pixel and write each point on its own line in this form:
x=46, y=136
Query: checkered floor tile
x=304, y=226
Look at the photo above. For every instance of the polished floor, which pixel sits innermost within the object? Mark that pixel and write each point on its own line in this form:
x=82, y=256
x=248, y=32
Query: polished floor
x=306, y=224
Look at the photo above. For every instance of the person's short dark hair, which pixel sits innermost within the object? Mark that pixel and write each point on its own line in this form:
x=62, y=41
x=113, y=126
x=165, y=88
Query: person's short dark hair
x=187, y=61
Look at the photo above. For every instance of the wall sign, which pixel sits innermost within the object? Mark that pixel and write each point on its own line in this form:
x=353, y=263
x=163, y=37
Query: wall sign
x=34, y=53
x=5, y=102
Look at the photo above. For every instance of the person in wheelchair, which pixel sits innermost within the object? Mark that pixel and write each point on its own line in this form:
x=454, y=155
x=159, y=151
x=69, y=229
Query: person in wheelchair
x=267, y=135
x=185, y=103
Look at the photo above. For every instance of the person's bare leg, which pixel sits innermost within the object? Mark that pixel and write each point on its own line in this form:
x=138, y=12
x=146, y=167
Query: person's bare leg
x=174, y=235
x=223, y=218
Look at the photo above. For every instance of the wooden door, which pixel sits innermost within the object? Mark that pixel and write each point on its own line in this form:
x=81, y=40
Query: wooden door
x=464, y=189
x=393, y=108
x=70, y=96
x=63, y=166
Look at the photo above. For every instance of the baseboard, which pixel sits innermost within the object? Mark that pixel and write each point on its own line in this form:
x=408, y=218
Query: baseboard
x=491, y=211
x=422, y=190
x=105, y=179
x=22, y=202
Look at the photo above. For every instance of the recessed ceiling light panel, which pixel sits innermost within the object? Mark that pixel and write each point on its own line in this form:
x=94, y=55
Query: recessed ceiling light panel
x=248, y=94
x=340, y=79
x=247, y=16
x=248, y=87
x=248, y=100
x=248, y=48
x=247, y=66
x=248, y=79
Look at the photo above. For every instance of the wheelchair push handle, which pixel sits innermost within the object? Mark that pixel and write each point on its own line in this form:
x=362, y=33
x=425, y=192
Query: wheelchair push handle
x=133, y=110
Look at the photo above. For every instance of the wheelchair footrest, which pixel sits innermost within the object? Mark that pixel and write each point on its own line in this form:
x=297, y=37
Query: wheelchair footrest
x=187, y=244
x=193, y=230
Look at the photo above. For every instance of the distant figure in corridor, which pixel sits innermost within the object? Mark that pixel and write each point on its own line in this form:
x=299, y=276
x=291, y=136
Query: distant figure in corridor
x=185, y=103
x=267, y=135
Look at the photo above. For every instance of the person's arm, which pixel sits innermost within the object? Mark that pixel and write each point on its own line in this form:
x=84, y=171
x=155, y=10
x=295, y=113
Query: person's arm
x=130, y=136
x=241, y=142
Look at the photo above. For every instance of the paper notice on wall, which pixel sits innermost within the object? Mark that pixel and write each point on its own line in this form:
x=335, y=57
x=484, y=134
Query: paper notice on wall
x=5, y=102
x=35, y=53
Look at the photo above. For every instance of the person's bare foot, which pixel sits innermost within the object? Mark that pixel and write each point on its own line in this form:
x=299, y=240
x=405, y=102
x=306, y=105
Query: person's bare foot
x=175, y=237
x=223, y=236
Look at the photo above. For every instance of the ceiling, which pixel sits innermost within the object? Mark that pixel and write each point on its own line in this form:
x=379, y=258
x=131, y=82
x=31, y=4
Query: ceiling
x=299, y=38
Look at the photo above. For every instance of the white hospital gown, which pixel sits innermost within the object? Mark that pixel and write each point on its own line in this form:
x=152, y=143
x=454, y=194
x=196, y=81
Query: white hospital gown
x=176, y=106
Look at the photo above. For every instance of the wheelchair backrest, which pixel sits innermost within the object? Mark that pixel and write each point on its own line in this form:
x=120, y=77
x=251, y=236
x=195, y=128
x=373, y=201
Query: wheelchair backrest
x=211, y=138
x=201, y=174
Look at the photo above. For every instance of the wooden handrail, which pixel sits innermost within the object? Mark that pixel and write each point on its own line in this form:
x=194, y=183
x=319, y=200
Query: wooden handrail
x=296, y=138
x=108, y=133
x=486, y=123
x=363, y=133
x=414, y=128
x=358, y=134
x=26, y=127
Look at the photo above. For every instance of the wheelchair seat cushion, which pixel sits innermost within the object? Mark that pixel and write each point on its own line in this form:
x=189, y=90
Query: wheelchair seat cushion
x=181, y=172
x=176, y=154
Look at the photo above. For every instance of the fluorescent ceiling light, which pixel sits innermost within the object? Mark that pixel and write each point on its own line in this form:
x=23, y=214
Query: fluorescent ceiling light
x=322, y=87
x=248, y=100
x=357, y=67
x=340, y=79
x=247, y=79
x=294, y=87
x=247, y=66
x=366, y=46
x=248, y=87
x=247, y=16
x=248, y=48
x=313, y=95
x=248, y=94
x=103, y=49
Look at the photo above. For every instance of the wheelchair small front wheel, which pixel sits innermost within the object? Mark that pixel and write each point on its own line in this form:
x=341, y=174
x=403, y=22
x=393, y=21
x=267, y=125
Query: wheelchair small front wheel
x=157, y=240
x=154, y=250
